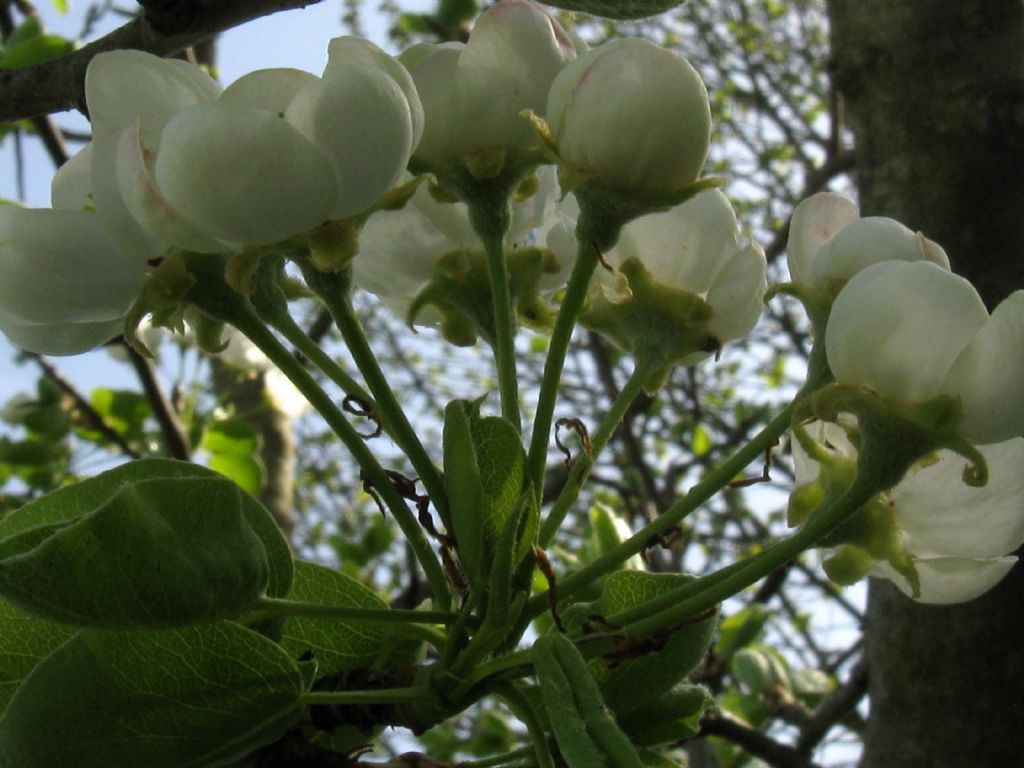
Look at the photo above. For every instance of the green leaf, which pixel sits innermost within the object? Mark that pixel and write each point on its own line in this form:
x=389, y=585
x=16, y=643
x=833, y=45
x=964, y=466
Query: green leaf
x=124, y=411
x=72, y=501
x=158, y=553
x=28, y=45
x=741, y=629
x=617, y=9
x=246, y=471
x=671, y=717
x=338, y=646
x=586, y=733
x=760, y=668
x=231, y=436
x=234, y=452
x=199, y=696
x=30, y=452
x=651, y=666
x=25, y=640
x=485, y=473
x=61, y=6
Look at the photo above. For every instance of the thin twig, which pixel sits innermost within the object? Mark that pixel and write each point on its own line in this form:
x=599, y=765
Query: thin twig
x=59, y=85
x=173, y=431
x=758, y=744
x=834, y=708
x=93, y=417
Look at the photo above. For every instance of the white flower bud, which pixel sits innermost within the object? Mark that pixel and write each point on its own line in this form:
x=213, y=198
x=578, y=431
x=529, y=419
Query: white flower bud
x=631, y=116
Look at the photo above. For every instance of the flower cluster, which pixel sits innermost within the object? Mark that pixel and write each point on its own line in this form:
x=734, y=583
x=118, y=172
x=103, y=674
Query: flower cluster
x=913, y=340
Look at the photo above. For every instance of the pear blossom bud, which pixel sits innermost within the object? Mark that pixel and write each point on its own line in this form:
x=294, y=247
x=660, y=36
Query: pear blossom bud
x=632, y=116
x=473, y=94
x=828, y=241
x=913, y=331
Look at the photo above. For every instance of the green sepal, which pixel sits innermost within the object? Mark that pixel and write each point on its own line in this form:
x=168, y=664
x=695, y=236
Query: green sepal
x=659, y=325
x=162, y=296
x=460, y=292
x=333, y=245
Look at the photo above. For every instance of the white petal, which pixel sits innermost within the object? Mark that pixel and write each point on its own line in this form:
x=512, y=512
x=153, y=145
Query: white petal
x=362, y=123
x=124, y=88
x=632, y=113
x=269, y=89
x=737, y=295
x=815, y=221
x=60, y=267
x=433, y=69
x=831, y=436
x=870, y=241
x=898, y=327
x=71, y=188
x=941, y=515
x=346, y=53
x=989, y=375
x=242, y=354
x=59, y=338
x=514, y=53
x=399, y=249
x=131, y=88
x=242, y=175
x=147, y=204
x=684, y=247
x=948, y=580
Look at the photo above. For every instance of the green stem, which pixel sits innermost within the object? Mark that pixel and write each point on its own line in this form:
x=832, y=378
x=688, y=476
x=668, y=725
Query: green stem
x=334, y=291
x=278, y=607
x=585, y=462
x=379, y=696
x=572, y=305
x=490, y=215
x=698, y=495
x=753, y=569
x=523, y=709
x=215, y=297
x=411, y=623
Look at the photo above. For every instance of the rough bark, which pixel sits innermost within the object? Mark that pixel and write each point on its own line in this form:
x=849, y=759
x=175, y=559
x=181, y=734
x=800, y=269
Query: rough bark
x=935, y=93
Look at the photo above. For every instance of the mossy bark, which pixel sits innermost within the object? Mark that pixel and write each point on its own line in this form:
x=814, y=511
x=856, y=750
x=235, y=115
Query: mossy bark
x=934, y=90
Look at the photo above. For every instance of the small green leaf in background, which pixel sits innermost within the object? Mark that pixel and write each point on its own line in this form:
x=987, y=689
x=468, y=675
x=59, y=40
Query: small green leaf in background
x=25, y=640
x=339, y=646
x=125, y=412
x=112, y=699
x=28, y=45
x=62, y=6
x=741, y=629
x=234, y=448
x=759, y=668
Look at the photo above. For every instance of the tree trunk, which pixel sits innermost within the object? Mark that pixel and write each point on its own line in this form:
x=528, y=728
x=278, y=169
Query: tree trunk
x=934, y=90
